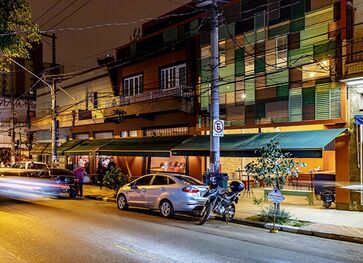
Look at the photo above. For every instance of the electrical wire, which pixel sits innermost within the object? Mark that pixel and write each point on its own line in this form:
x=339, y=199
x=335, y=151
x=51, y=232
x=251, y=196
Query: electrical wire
x=46, y=11
x=75, y=11
x=60, y=12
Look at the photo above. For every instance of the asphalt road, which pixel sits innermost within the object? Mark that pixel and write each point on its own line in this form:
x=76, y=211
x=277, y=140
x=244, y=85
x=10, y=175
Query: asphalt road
x=62, y=230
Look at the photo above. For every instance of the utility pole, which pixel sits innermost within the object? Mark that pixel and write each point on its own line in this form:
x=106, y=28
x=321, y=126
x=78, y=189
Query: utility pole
x=12, y=129
x=54, y=122
x=211, y=6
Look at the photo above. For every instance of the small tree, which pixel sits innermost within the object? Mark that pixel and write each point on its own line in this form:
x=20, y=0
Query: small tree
x=17, y=31
x=114, y=179
x=273, y=166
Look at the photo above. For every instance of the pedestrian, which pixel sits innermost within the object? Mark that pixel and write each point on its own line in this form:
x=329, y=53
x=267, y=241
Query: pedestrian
x=80, y=162
x=111, y=165
x=79, y=173
x=86, y=166
x=100, y=172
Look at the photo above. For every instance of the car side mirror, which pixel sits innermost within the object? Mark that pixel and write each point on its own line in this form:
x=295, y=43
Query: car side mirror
x=134, y=186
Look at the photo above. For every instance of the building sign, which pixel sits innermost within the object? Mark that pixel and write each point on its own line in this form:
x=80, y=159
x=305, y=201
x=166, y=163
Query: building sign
x=218, y=128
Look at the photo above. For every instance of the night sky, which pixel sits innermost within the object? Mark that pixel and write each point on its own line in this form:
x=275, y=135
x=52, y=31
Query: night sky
x=80, y=49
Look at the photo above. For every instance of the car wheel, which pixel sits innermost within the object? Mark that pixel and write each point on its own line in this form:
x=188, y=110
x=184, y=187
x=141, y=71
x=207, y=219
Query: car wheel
x=229, y=213
x=122, y=202
x=166, y=208
x=72, y=194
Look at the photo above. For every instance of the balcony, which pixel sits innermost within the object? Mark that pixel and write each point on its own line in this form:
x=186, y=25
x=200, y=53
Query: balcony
x=154, y=101
x=178, y=92
x=354, y=57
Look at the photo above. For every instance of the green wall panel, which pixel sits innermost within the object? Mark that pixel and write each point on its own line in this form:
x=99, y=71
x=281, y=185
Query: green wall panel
x=240, y=62
x=314, y=35
x=277, y=78
x=301, y=56
x=295, y=104
x=250, y=91
x=308, y=95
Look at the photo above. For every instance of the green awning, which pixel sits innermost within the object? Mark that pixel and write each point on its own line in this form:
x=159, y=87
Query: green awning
x=307, y=144
x=147, y=146
x=39, y=148
x=67, y=145
x=87, y=147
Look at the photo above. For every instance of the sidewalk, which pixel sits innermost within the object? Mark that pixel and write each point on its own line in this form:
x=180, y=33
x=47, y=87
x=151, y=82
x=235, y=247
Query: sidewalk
x=327, y=223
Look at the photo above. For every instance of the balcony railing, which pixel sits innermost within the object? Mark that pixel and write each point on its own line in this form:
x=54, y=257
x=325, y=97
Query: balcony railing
x=355, y=50
x=180, y=91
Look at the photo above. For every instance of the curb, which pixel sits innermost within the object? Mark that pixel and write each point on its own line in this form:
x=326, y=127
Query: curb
x=100, y=198
x=289, y=229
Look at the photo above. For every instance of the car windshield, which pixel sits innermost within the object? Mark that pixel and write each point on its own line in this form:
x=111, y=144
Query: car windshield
x=19, y=165
x=188, y=180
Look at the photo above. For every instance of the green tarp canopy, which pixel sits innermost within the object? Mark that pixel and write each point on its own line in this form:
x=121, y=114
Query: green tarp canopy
x=67, y=145
x=39, y=148
x=87, y=147
x=301, y=144
x=148, y=146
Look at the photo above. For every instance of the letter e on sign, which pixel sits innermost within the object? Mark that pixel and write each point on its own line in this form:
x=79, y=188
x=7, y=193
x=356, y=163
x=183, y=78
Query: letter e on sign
x=218, y=128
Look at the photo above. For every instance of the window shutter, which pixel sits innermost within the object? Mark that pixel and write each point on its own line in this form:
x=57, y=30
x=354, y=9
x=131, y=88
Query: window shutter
x=335, y=101
x=295, y=104
x=322, y=101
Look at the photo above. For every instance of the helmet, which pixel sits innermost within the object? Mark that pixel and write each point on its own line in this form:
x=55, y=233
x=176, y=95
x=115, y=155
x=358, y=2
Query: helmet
x=236, y=186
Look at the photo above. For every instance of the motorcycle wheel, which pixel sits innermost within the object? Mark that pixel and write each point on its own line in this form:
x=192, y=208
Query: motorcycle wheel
x=205, y=215
x=327, y=204
x=229, y=213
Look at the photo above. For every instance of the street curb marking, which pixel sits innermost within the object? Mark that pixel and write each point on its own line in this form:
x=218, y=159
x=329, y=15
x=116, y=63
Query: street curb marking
x=289, y=229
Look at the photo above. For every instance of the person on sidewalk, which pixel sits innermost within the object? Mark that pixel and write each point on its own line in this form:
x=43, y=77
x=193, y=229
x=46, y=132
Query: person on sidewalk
x=111, y=165
x=78, y=172
x=101, y=170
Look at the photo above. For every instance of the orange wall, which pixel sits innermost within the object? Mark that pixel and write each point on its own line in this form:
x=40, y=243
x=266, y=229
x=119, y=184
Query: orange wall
x=342, y=171
x=195, y=169
x=151, y=67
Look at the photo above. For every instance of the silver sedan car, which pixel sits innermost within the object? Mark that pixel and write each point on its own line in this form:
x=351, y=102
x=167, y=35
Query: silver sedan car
x=166, y=192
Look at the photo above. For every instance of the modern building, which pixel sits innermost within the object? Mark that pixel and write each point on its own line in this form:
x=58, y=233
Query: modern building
x=282, y=66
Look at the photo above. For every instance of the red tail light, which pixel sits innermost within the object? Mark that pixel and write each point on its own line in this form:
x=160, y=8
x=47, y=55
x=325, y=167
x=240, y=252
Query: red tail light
x=190, y=189
x=76, y=180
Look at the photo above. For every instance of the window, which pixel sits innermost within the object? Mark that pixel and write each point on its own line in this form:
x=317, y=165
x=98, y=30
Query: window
x=273, y=10
x=166, y=131
x=174, y=76
x=133, y=85
x=103, y=135
x=260, y=20
x=133, y=133
x=143, y=181
x=222, y=53
x=93, y=98
x=160, y=180
x=124, y=134
x=281, y=52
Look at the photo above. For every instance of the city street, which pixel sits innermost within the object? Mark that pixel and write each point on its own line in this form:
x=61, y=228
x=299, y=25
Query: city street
x=62, y=230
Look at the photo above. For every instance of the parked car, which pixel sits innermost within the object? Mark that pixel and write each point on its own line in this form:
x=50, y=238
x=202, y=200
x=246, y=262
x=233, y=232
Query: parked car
x=168, y=193
x=36, y=177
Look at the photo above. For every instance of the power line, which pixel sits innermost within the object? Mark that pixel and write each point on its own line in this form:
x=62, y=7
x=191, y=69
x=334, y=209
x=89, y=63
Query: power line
x=75, y=11
x=60, y=12
x=50, y=8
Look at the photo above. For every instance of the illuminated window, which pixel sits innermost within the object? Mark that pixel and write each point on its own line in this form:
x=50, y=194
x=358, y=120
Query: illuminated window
x=281, y=51
x=174, y=76
x=133, y=85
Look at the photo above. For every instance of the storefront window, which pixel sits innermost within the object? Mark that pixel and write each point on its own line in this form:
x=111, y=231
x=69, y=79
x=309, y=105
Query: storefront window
x=176, y=164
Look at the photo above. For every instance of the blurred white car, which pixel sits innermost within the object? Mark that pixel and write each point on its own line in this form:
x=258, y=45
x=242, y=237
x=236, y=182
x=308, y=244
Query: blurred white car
x=168, y=193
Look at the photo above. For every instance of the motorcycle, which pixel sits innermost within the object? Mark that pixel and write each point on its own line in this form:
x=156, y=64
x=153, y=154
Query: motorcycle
x=221, y=202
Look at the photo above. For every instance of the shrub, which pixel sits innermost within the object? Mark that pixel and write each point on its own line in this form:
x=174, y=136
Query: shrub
x=267, y=215
x=114, y=179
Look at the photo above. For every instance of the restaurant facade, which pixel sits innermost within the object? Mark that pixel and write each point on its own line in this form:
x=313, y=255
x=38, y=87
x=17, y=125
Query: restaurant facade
x=280, y=78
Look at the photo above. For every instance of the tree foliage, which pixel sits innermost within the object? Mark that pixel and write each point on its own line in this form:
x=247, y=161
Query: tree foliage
x=273, y=166
x=17, y=31
x=114, y=179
